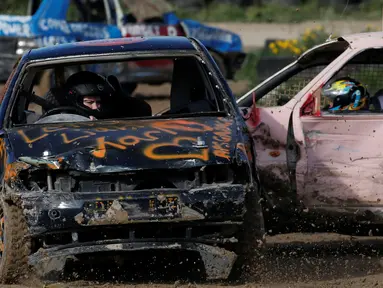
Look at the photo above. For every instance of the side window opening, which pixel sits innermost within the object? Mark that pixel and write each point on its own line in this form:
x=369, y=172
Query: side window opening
x=366, y=68
x=97, y=11
x=313, y=62
x=74, y=13
x=113, y=12
x=284, y=92
x=90, y=11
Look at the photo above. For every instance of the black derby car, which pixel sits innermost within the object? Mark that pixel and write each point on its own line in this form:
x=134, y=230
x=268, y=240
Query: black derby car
x=171, y=173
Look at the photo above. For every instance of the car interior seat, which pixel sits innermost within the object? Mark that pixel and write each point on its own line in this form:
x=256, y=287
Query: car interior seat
x=124, y=105
x=376, y=101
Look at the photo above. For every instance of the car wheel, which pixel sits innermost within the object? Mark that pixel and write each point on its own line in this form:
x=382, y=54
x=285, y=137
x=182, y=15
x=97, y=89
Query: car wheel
x=251, y=245
x=221, y=63
x=14, y=246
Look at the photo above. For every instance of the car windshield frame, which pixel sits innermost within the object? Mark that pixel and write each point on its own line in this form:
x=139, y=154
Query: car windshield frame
x=32, y=66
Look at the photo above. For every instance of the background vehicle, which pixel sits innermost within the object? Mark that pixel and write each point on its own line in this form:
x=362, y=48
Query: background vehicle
x=312, y=162
x=66, y=21
x=182, y=177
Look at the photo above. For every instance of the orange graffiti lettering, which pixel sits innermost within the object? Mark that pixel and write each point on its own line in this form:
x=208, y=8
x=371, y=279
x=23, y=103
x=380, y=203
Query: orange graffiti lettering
x=68, y=141
x=135, y=140
x=2, y=148
x=101, y=129
x=28, y=140
x=220, y=151
x=100, y=151
x=3, y=154
x=150, y=150
x=221, y=139
x=53, y=129
x=181, y=125
x=13, y=169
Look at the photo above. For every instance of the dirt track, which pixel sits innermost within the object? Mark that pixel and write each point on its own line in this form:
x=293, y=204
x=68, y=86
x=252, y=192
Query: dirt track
x=293, y=260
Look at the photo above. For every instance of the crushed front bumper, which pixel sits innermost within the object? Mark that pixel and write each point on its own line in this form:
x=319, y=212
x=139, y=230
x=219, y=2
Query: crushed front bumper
x=57, y=213
x=53, y=211
x=218, y=262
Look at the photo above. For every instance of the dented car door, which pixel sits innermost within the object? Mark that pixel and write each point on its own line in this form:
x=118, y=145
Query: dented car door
x=276, y=129
x=343, y=150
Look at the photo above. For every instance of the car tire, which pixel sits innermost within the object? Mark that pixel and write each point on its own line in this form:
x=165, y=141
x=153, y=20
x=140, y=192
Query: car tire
x=15, y=246
x=221, y=63
x=251, y=243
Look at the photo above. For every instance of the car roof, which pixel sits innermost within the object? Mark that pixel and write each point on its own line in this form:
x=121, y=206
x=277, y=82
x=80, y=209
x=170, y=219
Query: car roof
x=364, y=40
x=114, y=45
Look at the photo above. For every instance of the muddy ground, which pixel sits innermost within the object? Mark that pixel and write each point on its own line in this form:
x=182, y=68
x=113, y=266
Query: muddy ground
x=291, y=260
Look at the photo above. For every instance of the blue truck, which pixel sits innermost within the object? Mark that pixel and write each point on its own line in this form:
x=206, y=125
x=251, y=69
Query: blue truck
x=50, y=22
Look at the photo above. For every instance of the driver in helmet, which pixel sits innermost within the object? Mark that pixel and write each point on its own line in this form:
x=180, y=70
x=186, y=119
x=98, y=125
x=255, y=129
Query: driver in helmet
x=99, y=97
x=346, y=94
x=89, y=93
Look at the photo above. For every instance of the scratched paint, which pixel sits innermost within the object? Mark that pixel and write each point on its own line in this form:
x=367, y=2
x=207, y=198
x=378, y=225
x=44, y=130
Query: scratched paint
x=345, y=161
x=112, y=42
x=268, y=127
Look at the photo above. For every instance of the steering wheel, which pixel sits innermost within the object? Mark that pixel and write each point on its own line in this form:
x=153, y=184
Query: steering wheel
x=67, y=109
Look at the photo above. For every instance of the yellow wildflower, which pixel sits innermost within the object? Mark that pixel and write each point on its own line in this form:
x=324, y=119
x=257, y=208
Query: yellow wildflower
x=284, y=44
x=297, y=51
x=272, y=45
x=295, y=41
x=274, y=50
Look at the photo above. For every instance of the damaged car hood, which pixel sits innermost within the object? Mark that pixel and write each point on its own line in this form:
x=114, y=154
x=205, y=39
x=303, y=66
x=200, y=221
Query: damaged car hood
x=113, y=146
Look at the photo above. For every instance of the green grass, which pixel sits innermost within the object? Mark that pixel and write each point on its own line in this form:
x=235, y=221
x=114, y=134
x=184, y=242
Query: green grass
x=371, y=10
x=285, y=14
x=249, y=69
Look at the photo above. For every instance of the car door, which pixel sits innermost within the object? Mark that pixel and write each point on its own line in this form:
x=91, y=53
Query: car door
x=342, y=171
x=280, y=155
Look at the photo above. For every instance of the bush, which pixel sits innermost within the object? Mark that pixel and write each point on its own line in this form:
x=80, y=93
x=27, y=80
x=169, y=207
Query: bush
x=295, y=47
x=249, y=69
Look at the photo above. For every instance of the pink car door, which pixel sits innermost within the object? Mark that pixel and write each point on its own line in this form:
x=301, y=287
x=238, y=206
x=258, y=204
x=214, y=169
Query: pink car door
x=276, y=124
x=341, y=163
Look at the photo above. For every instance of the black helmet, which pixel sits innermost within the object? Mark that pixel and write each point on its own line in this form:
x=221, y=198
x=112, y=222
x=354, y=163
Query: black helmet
x=86, y=83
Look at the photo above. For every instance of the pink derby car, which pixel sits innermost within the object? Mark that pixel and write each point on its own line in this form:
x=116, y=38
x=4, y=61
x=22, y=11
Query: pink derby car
x=319, y=151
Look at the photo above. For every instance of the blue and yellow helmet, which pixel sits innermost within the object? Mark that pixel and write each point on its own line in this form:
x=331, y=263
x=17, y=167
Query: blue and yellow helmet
x=346, y=94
